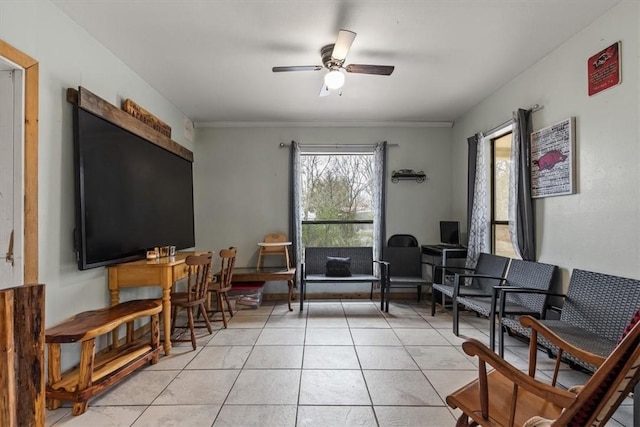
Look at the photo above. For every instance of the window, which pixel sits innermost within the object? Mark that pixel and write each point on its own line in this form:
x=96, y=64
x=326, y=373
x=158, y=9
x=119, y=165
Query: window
x=337, y=199
x=501, y=169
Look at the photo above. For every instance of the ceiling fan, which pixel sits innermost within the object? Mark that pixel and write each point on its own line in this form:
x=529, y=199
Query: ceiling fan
x=333, y=58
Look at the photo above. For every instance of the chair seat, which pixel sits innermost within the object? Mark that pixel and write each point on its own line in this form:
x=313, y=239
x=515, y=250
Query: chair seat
x=444, y=289
x=219, y=287
x=352, y=278
x=182, y=299
x=574, y=335
x=501, y=397
x=483, y=306
x=408, y=279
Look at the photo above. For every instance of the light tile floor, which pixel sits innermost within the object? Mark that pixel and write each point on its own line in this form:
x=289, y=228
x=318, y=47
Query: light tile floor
x=337, y=363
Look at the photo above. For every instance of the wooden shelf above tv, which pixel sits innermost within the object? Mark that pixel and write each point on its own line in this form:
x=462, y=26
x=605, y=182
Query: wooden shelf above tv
x=94, y=104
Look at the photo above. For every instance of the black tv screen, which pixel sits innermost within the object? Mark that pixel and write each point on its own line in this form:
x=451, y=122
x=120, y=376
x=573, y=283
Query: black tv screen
x=131, y=195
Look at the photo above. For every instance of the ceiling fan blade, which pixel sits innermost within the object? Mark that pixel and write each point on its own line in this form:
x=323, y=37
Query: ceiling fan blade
x=343, y=44
x=381, y=70
x=298, y=68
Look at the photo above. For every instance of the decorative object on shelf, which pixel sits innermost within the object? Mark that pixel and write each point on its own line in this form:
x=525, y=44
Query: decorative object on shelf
x=404, y=174
x=146, y=117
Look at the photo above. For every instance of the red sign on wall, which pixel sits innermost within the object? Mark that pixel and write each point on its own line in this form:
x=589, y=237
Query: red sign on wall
x=603, y=69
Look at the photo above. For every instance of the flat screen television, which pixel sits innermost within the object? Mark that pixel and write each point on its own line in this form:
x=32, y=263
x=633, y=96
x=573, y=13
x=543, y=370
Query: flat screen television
x=450, y=232
x=130, y=194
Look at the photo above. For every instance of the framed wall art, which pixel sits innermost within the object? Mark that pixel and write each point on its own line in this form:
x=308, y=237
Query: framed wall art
x=553, y=160
x=603, y=69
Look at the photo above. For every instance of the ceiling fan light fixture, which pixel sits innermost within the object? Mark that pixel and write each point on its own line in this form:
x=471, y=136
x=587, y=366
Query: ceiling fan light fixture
x=334, y=79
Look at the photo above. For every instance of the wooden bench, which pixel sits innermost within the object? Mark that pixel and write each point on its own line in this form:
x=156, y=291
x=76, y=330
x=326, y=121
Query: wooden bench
x=313, y=270
x=96, y=373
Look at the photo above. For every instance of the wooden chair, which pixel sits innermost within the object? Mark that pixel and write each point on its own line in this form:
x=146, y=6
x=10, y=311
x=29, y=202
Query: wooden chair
x=194, y=296
x=221, y=286
x=508, y=397
x=274, y=244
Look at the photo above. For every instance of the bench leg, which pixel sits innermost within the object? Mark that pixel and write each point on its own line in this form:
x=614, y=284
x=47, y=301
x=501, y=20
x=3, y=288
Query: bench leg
x=84, y=379
x=456, y=315
x=433, y=301
x=130, y=332
x=54, y=372
x=387, y=296
x=302, y=290
x=155, y=336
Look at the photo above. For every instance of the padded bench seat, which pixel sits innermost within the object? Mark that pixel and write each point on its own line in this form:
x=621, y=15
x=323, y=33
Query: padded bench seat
x=314, y=268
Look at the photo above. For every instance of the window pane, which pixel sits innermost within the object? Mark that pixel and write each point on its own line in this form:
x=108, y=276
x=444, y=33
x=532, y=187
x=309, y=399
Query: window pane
x=502, y=165
x=502, y=242
x=337, y=187
x=349, y=235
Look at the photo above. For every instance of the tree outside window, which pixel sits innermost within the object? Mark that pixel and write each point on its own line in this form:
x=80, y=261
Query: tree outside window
x=337, y=199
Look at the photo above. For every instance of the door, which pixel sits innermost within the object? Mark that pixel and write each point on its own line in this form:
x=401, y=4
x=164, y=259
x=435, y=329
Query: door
x=11, y=230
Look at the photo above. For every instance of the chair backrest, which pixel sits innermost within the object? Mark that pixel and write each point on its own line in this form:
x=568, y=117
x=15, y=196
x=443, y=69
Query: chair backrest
x=402, y=240
x=600, y=303
x=403, y=261
x=199, y=268
x=274, y=238
x=609, y=385
x=227, y=261
x=530, y=274
x=315, y=259
x=489, y=265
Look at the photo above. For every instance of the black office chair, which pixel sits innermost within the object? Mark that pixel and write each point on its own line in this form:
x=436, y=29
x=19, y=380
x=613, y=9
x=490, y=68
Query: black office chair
x=402, y=240
x=404, y=264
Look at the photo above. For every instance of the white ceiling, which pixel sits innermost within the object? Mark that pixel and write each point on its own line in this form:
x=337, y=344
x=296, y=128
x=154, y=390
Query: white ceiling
x=213, y=58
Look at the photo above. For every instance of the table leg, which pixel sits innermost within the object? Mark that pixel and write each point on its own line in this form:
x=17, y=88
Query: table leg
x=115, y=300
x=290, y=293
x=166, y=319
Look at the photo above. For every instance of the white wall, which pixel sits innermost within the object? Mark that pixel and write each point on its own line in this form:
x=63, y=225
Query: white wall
x=69, y=57
x=599, y=227
x=241, y=180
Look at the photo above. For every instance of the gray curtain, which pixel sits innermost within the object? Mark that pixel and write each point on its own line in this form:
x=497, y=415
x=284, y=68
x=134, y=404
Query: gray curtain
x=521, y=208
x=472, y=143
x=295, y=230
x=479, y=219
x=379, y=198
x=379, y=202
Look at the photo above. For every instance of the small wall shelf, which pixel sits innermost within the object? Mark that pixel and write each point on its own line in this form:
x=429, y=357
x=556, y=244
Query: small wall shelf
x=408, y=174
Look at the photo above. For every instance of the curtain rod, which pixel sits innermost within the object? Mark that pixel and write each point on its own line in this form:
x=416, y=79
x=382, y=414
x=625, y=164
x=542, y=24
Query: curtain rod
x=533, y=109
x=337, y=146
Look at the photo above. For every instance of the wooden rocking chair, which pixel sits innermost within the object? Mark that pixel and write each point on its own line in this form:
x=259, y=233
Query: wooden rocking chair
x=507, y=397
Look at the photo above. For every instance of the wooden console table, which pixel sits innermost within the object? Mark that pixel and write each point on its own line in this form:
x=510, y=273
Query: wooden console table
x=250, y=274
x=163, y=272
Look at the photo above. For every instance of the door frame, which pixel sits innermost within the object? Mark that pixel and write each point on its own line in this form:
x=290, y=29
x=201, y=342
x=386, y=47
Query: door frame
x=30, y=141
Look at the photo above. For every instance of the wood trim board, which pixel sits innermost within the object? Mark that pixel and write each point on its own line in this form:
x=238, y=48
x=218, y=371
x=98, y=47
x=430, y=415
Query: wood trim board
x=92, y=103
x=31, y=100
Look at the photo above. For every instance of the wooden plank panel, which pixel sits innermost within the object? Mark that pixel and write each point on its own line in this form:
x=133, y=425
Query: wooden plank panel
x=31, y=174
x=29, y=346
x=31, y=94
x=7, y=361
x=101, y=108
